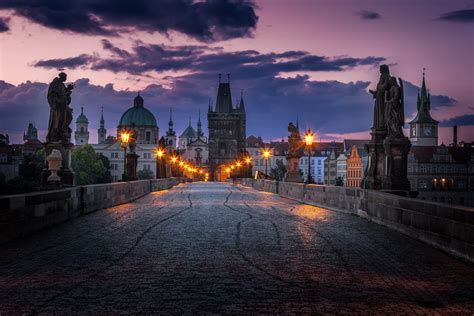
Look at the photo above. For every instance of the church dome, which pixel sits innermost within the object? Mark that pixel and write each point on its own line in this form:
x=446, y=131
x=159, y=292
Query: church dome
x=82, y=118
x=189, y=132
x=137, y=115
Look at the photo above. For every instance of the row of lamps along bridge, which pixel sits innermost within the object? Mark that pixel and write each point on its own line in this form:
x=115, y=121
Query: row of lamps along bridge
x=186, y=166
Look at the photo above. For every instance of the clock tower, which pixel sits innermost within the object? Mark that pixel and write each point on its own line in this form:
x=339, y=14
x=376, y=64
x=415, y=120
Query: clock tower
x=423, y=129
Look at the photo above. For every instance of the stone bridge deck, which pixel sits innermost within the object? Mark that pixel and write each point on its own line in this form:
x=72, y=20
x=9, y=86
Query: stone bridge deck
x=219, y=248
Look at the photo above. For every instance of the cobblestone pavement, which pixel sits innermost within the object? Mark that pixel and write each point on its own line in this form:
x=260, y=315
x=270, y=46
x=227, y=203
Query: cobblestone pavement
x=218, y=248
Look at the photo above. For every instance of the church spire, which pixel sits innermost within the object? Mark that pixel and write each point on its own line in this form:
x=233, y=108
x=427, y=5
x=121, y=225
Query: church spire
x=199, y=126
x=241, y=104
x=102, y=122
x=170, y=131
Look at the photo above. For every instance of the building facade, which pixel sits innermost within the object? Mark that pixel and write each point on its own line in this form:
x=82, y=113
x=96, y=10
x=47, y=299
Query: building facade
x=354, y=168
x=227, y=131
x=443, y=174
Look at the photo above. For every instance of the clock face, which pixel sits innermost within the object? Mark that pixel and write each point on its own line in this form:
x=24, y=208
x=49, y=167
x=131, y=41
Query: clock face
x=427, y=131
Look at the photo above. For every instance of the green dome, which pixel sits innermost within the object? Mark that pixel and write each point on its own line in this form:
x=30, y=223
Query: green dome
x=138, y=115
x=82, y=118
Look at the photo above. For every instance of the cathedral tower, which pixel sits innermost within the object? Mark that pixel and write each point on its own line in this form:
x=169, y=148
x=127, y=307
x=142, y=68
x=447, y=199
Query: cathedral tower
x=82, y=132
x=227, y=133
x=102, y=132
x=170, y=136
x=424, y=129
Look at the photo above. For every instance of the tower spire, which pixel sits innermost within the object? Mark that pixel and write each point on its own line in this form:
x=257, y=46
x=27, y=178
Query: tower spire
x=199, y=126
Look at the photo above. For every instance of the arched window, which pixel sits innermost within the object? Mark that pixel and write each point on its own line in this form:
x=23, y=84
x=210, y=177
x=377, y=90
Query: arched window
x=435, y=184
x=82, y=129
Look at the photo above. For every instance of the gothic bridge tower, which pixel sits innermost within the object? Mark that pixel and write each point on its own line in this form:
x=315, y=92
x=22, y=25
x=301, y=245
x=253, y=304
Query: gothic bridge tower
x=227, y=131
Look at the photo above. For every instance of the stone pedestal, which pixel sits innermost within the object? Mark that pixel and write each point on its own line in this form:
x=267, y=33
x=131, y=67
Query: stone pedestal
x=293, y=170
x=65, y=173
x=388, y=162
x=132, y=163
x=376, y=160
x=396, y=164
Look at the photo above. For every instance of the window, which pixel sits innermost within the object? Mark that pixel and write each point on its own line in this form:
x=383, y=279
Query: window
x=148, y=137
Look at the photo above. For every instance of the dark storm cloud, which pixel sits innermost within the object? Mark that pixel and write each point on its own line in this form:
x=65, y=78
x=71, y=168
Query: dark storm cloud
x=67, y=63
x=462, y=16
x=201, y=60
x=4, y=25
x=368, y=15
x=208, y=21
x=462, y=120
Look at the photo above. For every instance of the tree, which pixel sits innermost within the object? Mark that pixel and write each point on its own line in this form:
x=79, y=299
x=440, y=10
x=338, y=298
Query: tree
x=145, y=174
x=278, y=173
x=30, y=174
x=87, y=165
x=107, y=176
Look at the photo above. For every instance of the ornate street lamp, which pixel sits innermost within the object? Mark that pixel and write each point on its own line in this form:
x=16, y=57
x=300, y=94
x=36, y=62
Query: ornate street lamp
x=309, y=138
x=125, y=139
x=266, y=155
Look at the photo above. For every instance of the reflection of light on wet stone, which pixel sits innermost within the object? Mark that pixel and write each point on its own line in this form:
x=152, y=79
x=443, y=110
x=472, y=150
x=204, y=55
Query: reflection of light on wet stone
x=311, y=212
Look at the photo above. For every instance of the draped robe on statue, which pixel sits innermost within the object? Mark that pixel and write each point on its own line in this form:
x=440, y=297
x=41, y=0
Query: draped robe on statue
x=379, y=109
x=59, y=97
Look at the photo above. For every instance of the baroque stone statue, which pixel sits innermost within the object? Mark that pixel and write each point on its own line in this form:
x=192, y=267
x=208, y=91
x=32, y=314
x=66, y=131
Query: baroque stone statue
x=388, y=148
x=294, y=141
x=293, y=156
x=60, y=117
x=379, y=95
x=394, y=112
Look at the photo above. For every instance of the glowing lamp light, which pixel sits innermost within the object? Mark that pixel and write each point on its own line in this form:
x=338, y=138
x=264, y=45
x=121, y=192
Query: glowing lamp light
x=309, y=138
x=125, y=137
x=266, y=153
x=248, y=160
x=174, y=159
x=228, y=169
x=160, y=153
x=238, y=164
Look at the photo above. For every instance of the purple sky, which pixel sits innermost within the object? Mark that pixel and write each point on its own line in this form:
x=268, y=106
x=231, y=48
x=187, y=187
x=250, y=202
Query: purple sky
x=314, y=60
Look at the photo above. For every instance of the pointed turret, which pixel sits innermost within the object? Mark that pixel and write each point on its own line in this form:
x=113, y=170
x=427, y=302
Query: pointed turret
x=241, y=103
x=102, y=132
x=199, y=126
x=209, y=110
x=423, y=128
x=423, y=105
x=224, y=98
x=171, y=131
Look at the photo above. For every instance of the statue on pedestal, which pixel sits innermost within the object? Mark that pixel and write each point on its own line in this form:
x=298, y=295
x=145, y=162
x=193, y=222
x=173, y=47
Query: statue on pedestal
x=388, y=149
x=60, y=117
x=294, y=154
x=59, y=133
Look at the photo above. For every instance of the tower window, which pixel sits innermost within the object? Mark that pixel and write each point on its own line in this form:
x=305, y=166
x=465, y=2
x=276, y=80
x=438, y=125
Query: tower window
x=82, y=129
x=148, y=137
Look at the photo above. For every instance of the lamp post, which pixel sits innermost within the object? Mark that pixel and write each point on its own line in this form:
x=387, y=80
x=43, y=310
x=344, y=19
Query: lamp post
x=309, y=137
x=159, y=163
x=248, y=161
x=125, y=139
x=174, y=160
x=266, y=155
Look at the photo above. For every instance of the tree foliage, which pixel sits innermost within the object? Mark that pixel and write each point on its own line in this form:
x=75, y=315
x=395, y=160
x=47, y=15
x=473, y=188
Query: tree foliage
x=145, y=174
x=87, y=165
x=279, y=171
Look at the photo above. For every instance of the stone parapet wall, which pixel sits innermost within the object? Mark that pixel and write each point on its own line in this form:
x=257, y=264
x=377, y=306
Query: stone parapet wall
x=23, y=214
x=443, y=226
